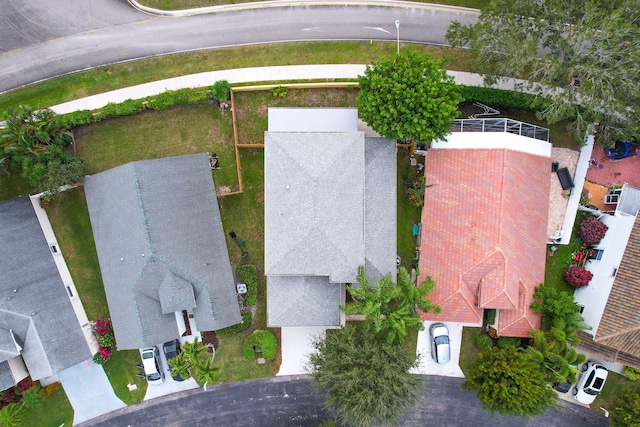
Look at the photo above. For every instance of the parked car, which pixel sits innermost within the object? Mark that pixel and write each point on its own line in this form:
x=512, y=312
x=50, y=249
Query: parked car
x=591, y=383
x=151, y=365
x=562, y=387
x=440, y=350
x=172, y=349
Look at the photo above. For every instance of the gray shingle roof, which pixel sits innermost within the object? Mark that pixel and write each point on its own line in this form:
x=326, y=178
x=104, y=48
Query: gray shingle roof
x=330, y=206
x=34, y=303
x=629, y=202
x=314, y=204
x=302, y=301
x=161, y=246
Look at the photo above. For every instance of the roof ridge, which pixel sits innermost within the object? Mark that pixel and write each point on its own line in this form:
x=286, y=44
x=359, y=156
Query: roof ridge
x=145, y=224
x=617, y=334
x=502, y=196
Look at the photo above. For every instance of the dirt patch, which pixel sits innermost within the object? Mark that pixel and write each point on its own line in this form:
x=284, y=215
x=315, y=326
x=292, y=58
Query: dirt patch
x=210, y=337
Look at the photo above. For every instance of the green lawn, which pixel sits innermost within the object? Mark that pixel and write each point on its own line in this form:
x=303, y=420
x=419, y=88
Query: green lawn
x=407, y=215
x=236, y=367
x=152, y=135
x=13, y=185
x=614, y=385
x=54, y=411
x=469, y=351
x=121, y=370
x=558, y=263
x=104, y=79
x=69, y=218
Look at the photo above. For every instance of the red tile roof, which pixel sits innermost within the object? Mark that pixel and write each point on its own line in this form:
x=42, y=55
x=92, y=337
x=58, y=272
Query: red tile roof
x=484, y=233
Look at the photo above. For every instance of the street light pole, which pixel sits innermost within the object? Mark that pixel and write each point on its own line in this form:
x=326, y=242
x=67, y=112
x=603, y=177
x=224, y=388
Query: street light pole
x=398, y=34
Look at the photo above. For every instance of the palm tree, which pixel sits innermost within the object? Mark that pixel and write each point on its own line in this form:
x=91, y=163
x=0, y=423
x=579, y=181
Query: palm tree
x=180, y=365
x=30, y=131
x=205, y=373
x=555, y=358
x=391, y=308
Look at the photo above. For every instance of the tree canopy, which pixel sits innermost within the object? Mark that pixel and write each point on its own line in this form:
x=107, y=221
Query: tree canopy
x=626, y=408
x=366, y=380
x=509, y=382
x=410, y=97
x=36, y=142
x=583, y=56
x=391, y=308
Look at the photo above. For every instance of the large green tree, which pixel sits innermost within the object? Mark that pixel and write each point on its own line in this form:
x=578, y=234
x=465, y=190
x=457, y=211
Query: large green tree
x=410, y=97
x=391, y=308
x=367, y=381
x=509, y=382
x=582, y=56
x=555, y=358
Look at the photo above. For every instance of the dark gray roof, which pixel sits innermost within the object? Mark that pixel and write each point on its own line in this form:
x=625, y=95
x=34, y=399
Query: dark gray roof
x=34, y=303
x=161, y=248
x=330, y=206
x=302, y=301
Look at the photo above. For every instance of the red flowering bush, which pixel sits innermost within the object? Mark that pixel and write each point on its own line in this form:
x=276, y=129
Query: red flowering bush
x=24, y=385
x=102, y=326
x=577, y=276
x=104, y=352
x=592, y=230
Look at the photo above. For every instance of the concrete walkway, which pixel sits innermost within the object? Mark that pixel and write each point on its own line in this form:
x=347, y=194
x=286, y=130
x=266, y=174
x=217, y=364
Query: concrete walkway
x=89, y=391
x=427, y=365
x=247, y=75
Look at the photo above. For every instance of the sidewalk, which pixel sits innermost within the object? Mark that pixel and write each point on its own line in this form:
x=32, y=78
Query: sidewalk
x=247, y=75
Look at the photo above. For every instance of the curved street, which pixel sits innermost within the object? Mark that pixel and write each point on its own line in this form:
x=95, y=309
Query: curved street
x=289, y=401
x=39, y=42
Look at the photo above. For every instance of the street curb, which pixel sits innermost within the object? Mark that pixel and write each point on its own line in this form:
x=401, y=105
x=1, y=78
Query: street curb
x=300, y=3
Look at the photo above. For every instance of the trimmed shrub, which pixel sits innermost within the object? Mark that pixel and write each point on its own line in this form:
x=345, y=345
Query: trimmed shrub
x=249, y=275
x=484, y=341
x=592, y=230
x=265, y=340
x=497, y=97
x=279, y=92
x=246, y=322
x=577, y=277
x=77, y=118
x=125, y=108
x=506, y=342
x=632, y=373
x=490, y=316
x=221, y=90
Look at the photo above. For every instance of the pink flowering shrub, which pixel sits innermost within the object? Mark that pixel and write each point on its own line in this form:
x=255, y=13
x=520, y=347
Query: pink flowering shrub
x=577, y=276
x=102, y=326
x=24, y=385
x=592, y=230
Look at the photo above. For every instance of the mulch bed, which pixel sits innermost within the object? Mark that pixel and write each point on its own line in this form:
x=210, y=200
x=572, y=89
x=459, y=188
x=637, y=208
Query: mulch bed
x=210, y=337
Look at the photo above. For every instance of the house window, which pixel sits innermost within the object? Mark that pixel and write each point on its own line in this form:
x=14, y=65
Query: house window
x=612, y=197
x=615, y=271
x=596, y=254
x=580, y=309
x=54, y=249
x=70, y=291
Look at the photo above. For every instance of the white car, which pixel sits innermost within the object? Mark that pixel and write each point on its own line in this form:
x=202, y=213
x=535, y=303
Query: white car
x=591, y=383
x=151, y=365
x=440, y=350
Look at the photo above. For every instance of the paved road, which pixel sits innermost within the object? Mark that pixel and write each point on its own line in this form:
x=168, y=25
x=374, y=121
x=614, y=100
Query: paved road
x=41, y=42
x=288, y=401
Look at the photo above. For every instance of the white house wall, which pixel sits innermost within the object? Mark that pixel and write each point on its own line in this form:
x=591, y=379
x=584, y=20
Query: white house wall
x=594, y=296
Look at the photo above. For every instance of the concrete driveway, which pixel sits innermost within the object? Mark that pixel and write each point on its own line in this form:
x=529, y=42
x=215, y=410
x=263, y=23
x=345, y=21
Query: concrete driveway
x=169, y=386
x=427, y=365
x=89, y=391
x=295, y=346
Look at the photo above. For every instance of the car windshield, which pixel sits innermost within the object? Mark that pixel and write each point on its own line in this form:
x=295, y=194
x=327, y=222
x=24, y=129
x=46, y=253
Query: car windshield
x=442, y=340
x=170, y=348
x=153, y=377
x=148, y=355
x=591, y=392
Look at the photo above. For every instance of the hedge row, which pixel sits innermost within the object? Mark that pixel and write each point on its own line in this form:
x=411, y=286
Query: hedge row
x=129, y=107
x=263, y=338
x=249, y=275
x=246, y=322
x=498, y=98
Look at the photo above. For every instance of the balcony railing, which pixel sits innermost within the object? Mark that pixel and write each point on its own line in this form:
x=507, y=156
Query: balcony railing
x=501, y=125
